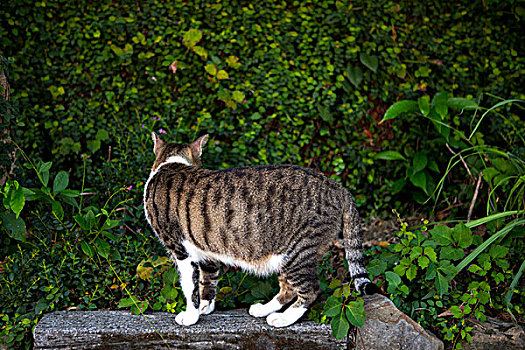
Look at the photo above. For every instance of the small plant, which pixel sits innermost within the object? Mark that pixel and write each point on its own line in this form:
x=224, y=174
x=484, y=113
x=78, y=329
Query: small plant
x=445, y=275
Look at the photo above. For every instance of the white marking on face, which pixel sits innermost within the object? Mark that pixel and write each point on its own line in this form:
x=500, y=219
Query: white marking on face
x=262, y=268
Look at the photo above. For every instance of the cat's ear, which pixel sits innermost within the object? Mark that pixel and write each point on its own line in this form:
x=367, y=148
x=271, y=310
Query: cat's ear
x=197, y=145
x=158, y=143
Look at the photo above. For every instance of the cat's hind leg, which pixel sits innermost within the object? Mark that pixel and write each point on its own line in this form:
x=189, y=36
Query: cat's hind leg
x=285, y=295
x=305, y=282
x=209, y=275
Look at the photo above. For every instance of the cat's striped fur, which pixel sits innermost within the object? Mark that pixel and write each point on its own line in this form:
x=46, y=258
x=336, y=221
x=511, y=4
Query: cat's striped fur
x=265, y=219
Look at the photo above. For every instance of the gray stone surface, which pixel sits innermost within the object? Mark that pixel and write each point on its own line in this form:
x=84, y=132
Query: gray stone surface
x=496, y=335
x=388, y=328
x=221, y=330
x=385, y=328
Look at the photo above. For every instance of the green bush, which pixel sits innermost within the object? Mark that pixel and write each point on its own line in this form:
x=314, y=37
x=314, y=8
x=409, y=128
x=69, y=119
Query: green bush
x=426, y=276
x=299, y=82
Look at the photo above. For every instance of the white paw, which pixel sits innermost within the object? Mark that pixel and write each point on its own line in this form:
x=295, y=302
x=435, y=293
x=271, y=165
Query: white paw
x=206, y=307
x=187, y=318
x=259, y=310
x=286, y=318
x=262, y=310
x=278, y=319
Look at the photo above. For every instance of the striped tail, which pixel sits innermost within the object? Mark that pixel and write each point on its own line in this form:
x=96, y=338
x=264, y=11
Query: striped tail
x=353, y=243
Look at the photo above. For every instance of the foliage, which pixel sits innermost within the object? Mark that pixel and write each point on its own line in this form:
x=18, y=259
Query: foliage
x=59, y=252
x=503, y=169
x=426, y=275
x=302, y=82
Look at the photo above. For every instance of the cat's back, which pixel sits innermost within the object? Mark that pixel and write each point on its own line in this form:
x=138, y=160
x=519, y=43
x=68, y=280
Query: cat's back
x=269, y=181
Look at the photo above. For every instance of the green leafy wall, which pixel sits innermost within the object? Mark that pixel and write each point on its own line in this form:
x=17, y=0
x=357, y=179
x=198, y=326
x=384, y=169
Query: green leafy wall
x=301, y=82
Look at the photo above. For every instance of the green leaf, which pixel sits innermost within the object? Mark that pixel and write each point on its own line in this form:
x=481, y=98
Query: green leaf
x=355, y=75
x=169, y=292
x=411, y=272
x=90, y=219
x=389, y=155
x=127, y=302
x=447, y=267
x=416, y=251
x=81, y=221
x=393, y=281
x=419, y=180
x=140, y=308
x=57, y=209
x=87, y=249
x=423, y=262
x=102, y=247
x=376, y=267
x=398, y=185
x=424, y=105
x=15, y=226
x=400, y=269
x=430, y=253
x=93, y=145
x=451, y=253
x=355, y=312
x=117, y=50
x=339, y=326
x=462, y=103
x=222, y=74
x=211, y=69
x=440, y=103
x=333, y=306
x=102, y=135
x=442, y=234
x=70, y=193
x=238, y=96
x=441, y=284
x=334, y=283
x=61, y=182
x=420, y=161
x=201, y=51
x=462, y=235
x=16, y=198
x=371, y=62
x=192, y=37
x=41, y=305
x=403, y=106
x=498, y=251
x=233, y=62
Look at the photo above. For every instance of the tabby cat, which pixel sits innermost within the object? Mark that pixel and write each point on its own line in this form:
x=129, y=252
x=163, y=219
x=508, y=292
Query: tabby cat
x=265, y=219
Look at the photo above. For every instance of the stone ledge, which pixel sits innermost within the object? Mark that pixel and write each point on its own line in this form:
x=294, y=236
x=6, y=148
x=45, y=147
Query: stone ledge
x=385, y=328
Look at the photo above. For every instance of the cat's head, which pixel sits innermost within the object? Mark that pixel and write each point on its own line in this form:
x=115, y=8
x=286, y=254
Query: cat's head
x=178, y=153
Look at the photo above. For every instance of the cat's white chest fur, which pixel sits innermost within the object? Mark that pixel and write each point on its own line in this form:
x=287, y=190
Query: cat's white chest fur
x=264, y=267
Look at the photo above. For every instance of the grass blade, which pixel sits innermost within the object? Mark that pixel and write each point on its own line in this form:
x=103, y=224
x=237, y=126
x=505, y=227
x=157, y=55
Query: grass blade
x=467, y=260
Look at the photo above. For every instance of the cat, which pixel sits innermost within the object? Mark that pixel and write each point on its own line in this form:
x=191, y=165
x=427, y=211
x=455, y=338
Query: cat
x=264, y=219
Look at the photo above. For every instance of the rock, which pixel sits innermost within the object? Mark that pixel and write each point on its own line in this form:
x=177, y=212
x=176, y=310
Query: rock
x=495, y=334
x=233, y=329
x=388, y=328
x=385, y=328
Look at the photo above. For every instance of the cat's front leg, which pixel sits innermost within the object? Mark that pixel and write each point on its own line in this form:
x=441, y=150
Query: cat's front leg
x=189, y=280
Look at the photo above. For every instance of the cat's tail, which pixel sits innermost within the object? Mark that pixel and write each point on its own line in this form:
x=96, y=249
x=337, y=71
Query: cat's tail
x=353, y=243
